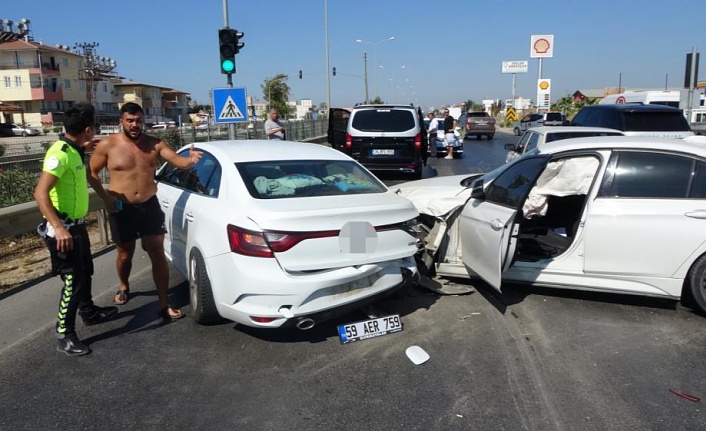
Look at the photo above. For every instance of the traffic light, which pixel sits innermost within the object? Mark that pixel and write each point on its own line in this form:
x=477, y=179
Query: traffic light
x=300, y=74
x=334, y=71
x=229, y=45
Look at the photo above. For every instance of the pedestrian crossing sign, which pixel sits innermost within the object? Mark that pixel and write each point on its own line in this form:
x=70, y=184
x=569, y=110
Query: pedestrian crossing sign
x=230, y=105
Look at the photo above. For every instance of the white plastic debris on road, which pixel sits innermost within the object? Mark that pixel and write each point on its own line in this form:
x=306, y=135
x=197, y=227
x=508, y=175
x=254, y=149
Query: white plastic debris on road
x=417, y=355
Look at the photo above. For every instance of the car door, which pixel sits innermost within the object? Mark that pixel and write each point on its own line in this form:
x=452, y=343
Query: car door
x=649, y=216
x=487, y=222
x=337, y=126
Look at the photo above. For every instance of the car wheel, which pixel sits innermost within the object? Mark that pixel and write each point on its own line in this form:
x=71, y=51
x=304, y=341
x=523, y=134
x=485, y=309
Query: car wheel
x=202, y=304
x=490, y=137
x=24, y=134
x=697, y=283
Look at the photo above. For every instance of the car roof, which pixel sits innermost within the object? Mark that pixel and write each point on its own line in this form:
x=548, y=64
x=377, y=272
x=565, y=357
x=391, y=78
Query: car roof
x=255, y=150
x=692, y=145
x=543, y=130
x=385, y=106
x=632, y=107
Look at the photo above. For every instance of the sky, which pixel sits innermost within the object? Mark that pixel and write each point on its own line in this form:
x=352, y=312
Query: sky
x=442, y=52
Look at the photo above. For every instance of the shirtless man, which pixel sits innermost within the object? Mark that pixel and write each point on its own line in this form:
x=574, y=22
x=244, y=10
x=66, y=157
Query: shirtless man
x=131, y=158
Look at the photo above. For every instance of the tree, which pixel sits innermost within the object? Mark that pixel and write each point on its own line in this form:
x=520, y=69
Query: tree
x=496, y=107
x=570, y=107
x=276, y=92
x=377, y=101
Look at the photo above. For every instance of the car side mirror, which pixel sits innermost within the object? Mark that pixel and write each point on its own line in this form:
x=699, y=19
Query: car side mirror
x=477, y=190
x=510, y=147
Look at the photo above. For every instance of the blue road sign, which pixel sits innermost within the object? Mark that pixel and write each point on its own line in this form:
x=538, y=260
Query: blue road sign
x=230, y=105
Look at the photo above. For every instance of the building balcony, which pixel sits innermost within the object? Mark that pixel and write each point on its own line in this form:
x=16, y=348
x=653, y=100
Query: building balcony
x=42, y=93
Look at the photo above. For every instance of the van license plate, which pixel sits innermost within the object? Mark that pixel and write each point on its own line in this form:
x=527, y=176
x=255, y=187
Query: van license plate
x=369, y=329
x=376, y=152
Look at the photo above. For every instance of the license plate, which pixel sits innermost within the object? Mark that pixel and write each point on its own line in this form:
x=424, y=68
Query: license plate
x=369, y=329
x=376, y=152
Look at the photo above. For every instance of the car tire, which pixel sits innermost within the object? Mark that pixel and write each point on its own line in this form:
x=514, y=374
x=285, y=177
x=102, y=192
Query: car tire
x=203, y=305
x=24, y=134
x=490, y=137
x=697, y=284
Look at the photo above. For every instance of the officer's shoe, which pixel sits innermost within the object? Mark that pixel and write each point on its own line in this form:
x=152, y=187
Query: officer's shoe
x=98, y=315
x=72, y=346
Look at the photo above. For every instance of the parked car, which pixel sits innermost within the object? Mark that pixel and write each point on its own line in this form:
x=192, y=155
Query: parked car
x=382, y=137
x=19, y=130
x=439, y=143
x=6, y=130
x=293, y=235
x=540, y=119
x=538, y=136
x=635, y=119
x=478, y=124
x=612, y=214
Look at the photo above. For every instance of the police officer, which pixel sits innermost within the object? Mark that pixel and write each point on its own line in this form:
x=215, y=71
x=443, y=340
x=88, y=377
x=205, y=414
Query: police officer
x=62, y=198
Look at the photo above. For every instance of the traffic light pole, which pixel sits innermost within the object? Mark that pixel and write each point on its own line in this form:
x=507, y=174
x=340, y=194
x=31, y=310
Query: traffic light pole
x=229, y=79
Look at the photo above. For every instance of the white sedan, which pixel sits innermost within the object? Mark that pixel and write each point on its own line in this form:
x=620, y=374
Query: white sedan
x=275, y=233
x=611, y=214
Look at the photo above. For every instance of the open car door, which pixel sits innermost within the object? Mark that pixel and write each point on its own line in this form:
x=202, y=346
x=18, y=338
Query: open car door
x=488, y=223
x=337, y=125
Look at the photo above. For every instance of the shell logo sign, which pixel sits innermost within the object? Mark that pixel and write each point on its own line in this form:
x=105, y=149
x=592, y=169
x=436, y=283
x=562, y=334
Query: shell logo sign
x=620, y=99
x=544, y=93
x=543, y=84
x=542, y=46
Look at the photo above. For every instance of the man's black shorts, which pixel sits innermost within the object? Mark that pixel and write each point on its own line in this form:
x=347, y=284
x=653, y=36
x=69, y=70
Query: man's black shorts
x=137, y=221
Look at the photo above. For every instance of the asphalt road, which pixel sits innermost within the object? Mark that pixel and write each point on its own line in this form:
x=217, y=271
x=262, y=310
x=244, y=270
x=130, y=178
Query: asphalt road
x=531, y=359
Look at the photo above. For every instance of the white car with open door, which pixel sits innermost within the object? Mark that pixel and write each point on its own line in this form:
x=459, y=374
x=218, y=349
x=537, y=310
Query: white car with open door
x=610, y=214
x=279, y=233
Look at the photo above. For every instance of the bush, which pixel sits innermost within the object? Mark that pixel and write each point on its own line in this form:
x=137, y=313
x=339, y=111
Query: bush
x=171, y=137
x=16, y=187
x=56, y=129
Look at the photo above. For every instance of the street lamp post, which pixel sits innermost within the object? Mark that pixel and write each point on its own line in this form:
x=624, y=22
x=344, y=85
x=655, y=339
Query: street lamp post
x=377, y=81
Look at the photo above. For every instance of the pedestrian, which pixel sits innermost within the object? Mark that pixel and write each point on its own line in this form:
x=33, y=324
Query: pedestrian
x=131, y=158
x=432, y=132
x=449, y=137
x=62, y=197
x=273, y=127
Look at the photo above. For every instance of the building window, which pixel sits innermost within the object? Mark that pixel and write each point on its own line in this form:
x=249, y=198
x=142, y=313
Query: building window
x=65, y=61
x=18, y=81
x=105, y=87
x=7, y=82
x=79, y=64
x=81, y=85
x=67, y=84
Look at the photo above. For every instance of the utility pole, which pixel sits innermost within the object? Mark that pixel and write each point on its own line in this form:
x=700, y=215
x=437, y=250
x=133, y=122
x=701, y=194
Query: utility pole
x=94, y=69
x=365, y=74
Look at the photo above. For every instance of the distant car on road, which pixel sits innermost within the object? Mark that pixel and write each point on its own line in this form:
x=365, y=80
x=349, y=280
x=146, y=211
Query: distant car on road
x=536, y=137
x=478, y=124
x=611, y=214
x=19, y=130
x=290, y=236
x=540, y=119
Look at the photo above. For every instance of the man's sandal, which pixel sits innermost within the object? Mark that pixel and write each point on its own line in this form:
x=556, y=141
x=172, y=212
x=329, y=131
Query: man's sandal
x=167, y=317
x=122, y=296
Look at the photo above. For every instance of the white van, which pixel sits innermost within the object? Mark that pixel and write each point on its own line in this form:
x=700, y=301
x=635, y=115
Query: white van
x=651, y=97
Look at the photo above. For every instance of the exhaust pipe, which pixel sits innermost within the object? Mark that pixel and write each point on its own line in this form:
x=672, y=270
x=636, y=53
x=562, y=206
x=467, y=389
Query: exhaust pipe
x=305, y=323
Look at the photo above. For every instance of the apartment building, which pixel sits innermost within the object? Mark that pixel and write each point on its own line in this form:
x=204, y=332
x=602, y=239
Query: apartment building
x=39, y=82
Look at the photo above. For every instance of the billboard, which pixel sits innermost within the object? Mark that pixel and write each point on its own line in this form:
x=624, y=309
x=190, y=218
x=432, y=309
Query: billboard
x=514, y=67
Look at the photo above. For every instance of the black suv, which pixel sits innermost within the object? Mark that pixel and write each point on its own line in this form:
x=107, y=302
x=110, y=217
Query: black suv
x=636, y=119
x=381, y=137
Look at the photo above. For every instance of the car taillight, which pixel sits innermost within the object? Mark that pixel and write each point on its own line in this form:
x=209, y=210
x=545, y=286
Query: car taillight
x=418, y=141
x=349, y=141
x=265, y=244
x=247, y=242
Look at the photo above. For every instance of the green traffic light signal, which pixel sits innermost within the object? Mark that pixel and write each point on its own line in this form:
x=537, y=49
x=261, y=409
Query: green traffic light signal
x=227, y=66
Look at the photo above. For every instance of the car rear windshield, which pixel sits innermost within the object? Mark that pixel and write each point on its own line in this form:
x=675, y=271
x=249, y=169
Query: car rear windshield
x=383, y=120
x=641, y=121
x=553, y=116
x=478, y=114
x=307, y=178
x=569, y=135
